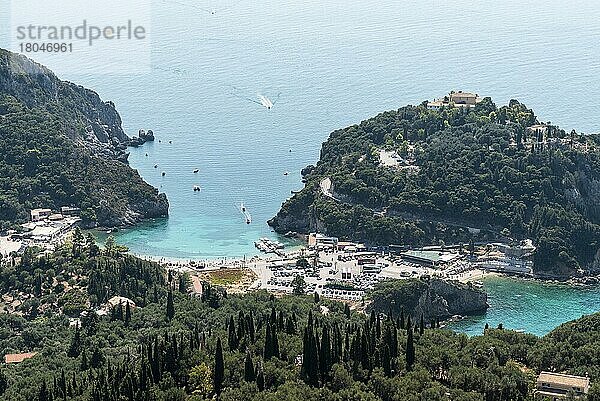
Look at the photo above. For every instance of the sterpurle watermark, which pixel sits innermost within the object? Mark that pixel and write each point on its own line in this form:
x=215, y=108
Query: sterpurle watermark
x=83, y=36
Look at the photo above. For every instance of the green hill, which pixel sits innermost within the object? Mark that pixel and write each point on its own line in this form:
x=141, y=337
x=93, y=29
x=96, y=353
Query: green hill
x=417, y=176
x=60, y=145
x=172, y=346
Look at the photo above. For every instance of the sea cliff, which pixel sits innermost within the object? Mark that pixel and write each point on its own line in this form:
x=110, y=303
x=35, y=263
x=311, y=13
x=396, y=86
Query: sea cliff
x=63, y=146
x=430, y=298
x=417, y=176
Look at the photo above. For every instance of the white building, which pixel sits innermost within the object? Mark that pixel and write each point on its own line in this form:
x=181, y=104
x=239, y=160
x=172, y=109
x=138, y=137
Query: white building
x=40, y=214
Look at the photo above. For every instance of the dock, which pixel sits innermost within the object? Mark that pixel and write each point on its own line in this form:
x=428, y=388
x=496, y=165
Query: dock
x=267, y=245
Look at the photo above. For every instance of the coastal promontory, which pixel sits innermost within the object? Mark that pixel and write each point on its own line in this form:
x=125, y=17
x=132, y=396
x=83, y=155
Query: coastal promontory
x=442, y=173
x=61, y=145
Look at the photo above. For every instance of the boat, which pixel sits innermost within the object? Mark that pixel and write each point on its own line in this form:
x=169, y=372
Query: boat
x=197, y=188
x=163, y=173
x=156, y=166
x=196, y=171
x=286, y=173
x=246, y=214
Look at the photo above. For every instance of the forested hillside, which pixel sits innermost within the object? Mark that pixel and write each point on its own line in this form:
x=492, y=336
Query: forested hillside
x=459, y=174
x=60, y=145
x=172, y=346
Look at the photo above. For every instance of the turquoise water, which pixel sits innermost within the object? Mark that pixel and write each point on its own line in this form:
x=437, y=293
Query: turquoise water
x=531, y=306
x=335, y=62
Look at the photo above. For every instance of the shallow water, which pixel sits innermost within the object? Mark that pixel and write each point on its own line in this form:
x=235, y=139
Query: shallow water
x=532, y=306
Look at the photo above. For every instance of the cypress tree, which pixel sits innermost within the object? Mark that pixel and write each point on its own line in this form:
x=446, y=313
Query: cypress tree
x=3, y=382
x=251, y=329
x=310, y=359
x=63, y=384
x=232, y=338
x=365, y=359
x=37, y=290
x=346, y=354
x=170, y=305
x=44, y=393
x=402, y=318
x=336, y=345
x=387, y=337
x=394, y=343
x=325, y=353
x=84, y=361
x=249, y=372
x=275, y=342
x=290, y=327
x=120, y=314
x=219, y=370
x=97, y=359
x=280, y=322
x=386, y=361
x=241, y=328
x=183, y=284
x=268, y=350
x=421, y=326
x=75, y=347
x=347, y=310
x=260, y=380
x=127, y=313
x=410, y=350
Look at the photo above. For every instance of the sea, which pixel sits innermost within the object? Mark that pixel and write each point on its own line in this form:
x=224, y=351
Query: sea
x=325, y=65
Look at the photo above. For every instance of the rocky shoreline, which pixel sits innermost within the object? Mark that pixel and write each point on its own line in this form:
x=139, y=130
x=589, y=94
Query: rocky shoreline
x=432, y=298
x=92, y=157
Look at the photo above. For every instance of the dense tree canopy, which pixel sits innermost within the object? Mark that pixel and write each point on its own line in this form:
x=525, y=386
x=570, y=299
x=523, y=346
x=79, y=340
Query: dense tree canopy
x=44, y=158
x=480, y=168
x=256, y=346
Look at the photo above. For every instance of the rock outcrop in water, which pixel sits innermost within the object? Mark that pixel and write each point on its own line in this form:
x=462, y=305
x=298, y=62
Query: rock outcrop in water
x=63, y=145
x=142, y=138
x=433, y=298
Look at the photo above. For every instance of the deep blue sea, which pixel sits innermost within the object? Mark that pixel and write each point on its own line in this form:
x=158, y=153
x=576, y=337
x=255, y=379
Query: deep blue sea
x=334, y=63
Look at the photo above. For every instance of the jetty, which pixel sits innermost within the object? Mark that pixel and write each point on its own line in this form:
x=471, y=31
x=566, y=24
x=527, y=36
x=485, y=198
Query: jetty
x=267, y=245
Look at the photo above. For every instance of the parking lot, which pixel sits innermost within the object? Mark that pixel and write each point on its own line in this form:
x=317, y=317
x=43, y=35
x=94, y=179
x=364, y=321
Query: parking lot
x=339, y=275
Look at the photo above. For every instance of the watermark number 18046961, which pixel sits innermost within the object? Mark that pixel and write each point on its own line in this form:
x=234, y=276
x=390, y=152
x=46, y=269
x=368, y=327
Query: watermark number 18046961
x=83, y=36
